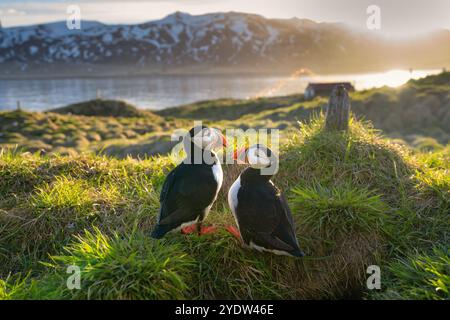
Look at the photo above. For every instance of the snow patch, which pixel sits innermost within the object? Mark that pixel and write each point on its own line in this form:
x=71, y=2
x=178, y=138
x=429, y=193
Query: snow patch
x=107, y=38
x=34, y=50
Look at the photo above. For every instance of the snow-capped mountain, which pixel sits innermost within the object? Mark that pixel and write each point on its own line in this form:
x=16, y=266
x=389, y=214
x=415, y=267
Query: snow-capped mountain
x=234, y=41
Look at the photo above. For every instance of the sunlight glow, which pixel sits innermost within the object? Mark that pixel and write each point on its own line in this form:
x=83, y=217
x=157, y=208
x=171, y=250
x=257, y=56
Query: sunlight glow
x=392, y=78
x=300, y=78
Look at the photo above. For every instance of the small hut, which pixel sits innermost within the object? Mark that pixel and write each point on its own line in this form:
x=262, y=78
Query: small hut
x=325, y=88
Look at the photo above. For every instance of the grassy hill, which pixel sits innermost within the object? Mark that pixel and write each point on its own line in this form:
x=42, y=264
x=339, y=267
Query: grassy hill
x=102, y=108
x=69, y=134
x=358, y=199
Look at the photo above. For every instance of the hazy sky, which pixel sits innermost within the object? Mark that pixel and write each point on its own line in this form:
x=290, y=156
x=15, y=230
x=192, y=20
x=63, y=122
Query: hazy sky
x=398, y=17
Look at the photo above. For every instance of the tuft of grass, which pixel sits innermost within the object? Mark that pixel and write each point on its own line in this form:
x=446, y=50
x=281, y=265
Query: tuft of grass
x=16, y=175
x=419, y=276
x=63, y=194
x=360, y=157
x=339, y=210
x=436, y=160
x=116, y=267
x=427, y=144
x=11, y=287
x=227, y=271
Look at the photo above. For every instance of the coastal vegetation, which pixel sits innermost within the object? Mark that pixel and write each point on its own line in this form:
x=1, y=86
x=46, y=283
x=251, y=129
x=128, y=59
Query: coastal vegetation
x=73, y=194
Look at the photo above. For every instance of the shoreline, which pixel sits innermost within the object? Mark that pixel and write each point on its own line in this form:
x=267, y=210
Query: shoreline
x=217, y=72
x=156, y=102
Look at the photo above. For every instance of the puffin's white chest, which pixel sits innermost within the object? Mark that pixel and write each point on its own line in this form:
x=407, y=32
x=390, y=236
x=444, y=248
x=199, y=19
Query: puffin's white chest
x=233, y=197
x=218, y=175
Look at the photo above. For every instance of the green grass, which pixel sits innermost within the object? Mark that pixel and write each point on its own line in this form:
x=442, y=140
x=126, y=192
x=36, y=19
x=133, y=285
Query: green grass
x=419, y=277
x=63, y=194
x=340, y=210
x=357, y=199
x=70, y=134
x=133, y=267
x=113, y=267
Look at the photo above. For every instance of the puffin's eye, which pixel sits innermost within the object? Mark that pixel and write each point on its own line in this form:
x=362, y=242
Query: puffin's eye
x=260, y=153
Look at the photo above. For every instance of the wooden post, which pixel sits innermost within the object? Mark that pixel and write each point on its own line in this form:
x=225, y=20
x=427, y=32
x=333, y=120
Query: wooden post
x=338, y=110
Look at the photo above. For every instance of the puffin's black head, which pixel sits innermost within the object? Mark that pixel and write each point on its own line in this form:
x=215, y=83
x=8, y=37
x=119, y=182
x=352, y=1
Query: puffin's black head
x=258, y=156
x=263, y=163
x=197, y=130
x=206, y=138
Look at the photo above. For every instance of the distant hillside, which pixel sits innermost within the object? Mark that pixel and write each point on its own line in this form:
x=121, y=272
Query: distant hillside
x=420, y=107
x=101, y=108
x=417, y=113
x=69, y=134
x=217, y=42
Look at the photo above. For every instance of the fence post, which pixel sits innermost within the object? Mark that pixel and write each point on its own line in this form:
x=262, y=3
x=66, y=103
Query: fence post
x=338, y=110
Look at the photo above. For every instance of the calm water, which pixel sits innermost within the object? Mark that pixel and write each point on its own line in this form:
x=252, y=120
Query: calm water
x=159, y=92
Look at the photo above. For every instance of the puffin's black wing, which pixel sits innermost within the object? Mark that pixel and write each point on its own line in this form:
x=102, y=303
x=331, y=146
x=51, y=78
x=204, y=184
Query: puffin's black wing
x=286, y=209
x=170, y=179
x=267, y=222
x=287, y=229
x=185, y=194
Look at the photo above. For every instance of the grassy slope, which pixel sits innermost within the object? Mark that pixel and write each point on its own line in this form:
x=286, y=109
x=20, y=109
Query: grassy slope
x=72, y=134
x=357, y=198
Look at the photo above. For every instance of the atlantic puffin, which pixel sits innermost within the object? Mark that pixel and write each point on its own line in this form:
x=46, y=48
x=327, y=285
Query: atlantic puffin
x=190, y=189
x=261, y=212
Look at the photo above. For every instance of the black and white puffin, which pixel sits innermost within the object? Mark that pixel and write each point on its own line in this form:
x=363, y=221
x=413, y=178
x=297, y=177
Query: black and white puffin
x=261, y=212
x=190, y=189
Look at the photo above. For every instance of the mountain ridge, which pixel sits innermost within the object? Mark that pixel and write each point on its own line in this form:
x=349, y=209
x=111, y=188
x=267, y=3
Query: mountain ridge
x=231, y=41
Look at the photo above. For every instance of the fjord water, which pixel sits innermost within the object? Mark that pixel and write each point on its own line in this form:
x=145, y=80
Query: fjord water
x=159, y=92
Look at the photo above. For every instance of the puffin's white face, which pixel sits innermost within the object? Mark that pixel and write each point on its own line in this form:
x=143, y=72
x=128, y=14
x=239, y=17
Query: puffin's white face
x=208, y=138
x=257, y=157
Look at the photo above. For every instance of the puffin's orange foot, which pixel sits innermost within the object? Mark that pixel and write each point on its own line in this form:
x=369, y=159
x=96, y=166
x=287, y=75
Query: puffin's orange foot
x=193, y=229
x=189, y=229
x=233, y=231
x=208, y=230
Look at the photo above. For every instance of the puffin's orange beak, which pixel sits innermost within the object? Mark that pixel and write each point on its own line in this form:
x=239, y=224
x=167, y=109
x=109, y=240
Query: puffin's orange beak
x=237, y=155
x=224, y=140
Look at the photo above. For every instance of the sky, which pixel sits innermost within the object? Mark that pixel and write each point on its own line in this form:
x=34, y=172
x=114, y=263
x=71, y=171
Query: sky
x=398, y=17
